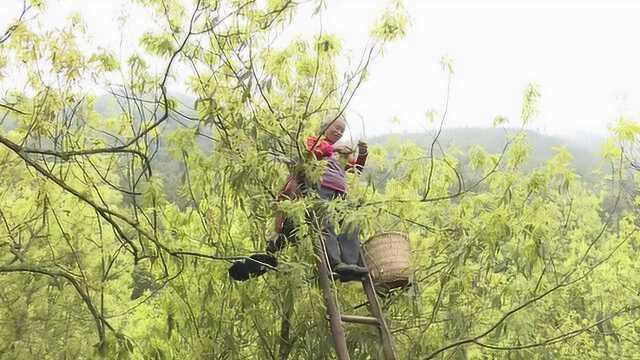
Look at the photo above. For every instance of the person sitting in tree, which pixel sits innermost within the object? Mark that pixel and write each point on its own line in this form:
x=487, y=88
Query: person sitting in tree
x=343, y=250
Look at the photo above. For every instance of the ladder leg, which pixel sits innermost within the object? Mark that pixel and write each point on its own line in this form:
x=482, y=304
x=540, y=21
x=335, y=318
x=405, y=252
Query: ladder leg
x=339, y=339
x=285, y=327
x=376, y=311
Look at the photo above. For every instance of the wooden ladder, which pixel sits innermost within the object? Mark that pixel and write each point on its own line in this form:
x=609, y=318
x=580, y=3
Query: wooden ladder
x=336, y=318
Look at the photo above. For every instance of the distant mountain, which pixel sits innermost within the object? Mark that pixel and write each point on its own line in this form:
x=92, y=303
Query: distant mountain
x=585, y=149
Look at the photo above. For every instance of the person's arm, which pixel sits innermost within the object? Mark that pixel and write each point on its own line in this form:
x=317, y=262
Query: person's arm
x=289, y=191
x=319, y=147
x=358, y=164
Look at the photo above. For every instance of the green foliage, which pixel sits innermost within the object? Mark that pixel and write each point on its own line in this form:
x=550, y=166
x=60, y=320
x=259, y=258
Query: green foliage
x=392, y=24
x=103, y=256
x=163, y=45
x=499, y=120
x=530, y=101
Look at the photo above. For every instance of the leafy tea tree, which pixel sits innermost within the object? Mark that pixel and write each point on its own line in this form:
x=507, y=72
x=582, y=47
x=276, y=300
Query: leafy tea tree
x=119, y=218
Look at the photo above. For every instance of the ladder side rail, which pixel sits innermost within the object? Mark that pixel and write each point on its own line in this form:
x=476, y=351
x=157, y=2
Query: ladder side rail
x=337, y=330
x=376, y=311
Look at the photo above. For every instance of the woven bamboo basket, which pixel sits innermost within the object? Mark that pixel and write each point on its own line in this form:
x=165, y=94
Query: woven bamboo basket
x=388, y=256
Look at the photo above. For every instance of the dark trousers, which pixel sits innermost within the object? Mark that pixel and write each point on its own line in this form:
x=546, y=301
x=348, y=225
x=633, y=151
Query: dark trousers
x=343, y=247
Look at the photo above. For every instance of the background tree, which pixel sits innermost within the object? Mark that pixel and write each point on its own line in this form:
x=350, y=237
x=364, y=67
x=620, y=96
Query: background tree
x=508, y=263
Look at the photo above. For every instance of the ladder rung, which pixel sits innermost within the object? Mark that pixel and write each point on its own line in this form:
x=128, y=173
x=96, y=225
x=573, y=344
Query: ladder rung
x=360, y=319
x=367, y=320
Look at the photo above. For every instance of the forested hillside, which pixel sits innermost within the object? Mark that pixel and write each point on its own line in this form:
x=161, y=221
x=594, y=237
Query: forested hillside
x=119, y=219
x=586, y=152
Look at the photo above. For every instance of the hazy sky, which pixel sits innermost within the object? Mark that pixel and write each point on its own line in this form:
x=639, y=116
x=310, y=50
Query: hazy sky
x=583, y=54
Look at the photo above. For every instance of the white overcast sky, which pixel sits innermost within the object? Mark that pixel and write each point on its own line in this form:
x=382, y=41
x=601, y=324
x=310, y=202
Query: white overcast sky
x=584, y=55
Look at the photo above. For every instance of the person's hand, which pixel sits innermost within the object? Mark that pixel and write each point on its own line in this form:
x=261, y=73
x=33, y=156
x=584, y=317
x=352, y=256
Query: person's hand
x=362, y=147
x=342, y=149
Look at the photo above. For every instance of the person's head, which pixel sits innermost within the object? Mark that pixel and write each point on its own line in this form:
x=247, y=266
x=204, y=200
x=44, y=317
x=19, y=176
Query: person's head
x=333, y=127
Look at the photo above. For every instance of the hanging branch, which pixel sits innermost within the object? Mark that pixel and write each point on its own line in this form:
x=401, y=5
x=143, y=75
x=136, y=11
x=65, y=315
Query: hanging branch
x=100, y=321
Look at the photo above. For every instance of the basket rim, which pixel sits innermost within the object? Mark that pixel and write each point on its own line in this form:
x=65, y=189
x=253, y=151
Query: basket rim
x=403, y=234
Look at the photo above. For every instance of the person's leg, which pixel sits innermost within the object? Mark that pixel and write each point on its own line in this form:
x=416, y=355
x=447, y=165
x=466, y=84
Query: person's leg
x=328, y=194
x=350, y=254
x=290, y=231
x=330, y=242
x=258, y=264
x=328, y=232
x=275, y=243
x=349, y=241
x=343, y=251
x=278, y=241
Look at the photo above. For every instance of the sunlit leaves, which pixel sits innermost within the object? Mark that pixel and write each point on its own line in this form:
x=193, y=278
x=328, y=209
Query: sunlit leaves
x=67, y=60
x=162, y=44
x=478, y=157
x=626, y=129
x=25, y=43
x=181, y=141
x=106, y=61
x=530, y=100
x=499, y=120
x=446, y=64
x=38, y=4
x=3, y=63
x=393, y=23
x=77, y=23
x=492, y=233
x=538, y=182
x=519, y=151
x=154, y=192
x=611, y=150
x=172, y=13
x=431, y=115
x=328, y=44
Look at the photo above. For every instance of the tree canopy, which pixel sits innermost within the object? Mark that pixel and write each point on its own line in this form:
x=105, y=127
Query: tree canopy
x=101, y=257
